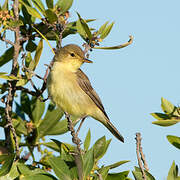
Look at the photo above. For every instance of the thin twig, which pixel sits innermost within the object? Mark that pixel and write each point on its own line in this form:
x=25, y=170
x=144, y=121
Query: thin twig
x=140, y=155
x=82, y=120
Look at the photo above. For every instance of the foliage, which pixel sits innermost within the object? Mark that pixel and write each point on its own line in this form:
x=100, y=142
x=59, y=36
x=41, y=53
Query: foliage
x=33, y=119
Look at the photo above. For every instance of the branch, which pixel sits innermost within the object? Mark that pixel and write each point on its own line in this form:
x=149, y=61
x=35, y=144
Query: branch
x=77, y=141
x=12, y=86
x=140, y=156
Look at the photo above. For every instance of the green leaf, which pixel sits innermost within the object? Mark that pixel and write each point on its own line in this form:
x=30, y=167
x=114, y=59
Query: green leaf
x=49, y=4
x=118, y=176
x=13, y=173
x=106, y=31
x=39, y=5
x=88, y=162
x=82, y=28
x=37, y=108
x=103, y=171
x=64, y=5
x=25, y=104
x=87, y=140
x=105, y=148
x=31, y=46
x=112, y=166
x=51, y=16
x=174, y=140
x=5, y=5
x=7, y=56
x=38, y=52
x=99, y=147
x=138, y=174
x=39, y=176
x=32, y=11
x=166, y=106
x=62, y=127
x=173, y=173
x=60, y=168
x=20, y=126
x=14, y=24
x=160, y=116
x=49, y=122
x=102, y=28
x=165, y=122
x=8, y=161
x=56, y=146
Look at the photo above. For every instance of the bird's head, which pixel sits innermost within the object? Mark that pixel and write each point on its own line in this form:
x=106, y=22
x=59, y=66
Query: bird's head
x=71, y=56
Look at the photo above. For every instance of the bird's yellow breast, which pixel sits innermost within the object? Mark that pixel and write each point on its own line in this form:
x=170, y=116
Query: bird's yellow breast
x=65, y=92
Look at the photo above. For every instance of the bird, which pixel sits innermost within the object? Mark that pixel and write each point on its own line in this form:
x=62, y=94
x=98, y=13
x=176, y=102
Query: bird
x=70, y=89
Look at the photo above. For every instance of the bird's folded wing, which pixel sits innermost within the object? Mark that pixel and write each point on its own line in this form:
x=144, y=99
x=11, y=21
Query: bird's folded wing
x=85, y=85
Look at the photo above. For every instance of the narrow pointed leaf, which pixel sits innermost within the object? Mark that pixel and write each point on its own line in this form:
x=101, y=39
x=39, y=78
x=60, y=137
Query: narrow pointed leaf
x=39, y=5
x=118, y=176
x=87, y=140
x=99, y=147
x=7, y=56
x=64, y=5
x=160, y=116
x=165, y=122
x=25, y=103
x=106, y=31
x=167, y=107
x=32, y=11
x=138, y=174
x=82, y=26
x=60, y=168
x=37, y=109
x=174, y=140
x=51, y=16
x=49, y=4
x=102, y=28
x=38, y=52
x=5, y=5
x=112, y=166
x=8, y=161
x=173, y=173
x=88, y=162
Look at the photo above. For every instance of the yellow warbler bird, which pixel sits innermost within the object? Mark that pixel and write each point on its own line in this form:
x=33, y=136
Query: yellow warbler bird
x=70, y=89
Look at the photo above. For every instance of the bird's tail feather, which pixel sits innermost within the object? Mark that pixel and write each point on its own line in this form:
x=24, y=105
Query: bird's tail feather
x=113, y=130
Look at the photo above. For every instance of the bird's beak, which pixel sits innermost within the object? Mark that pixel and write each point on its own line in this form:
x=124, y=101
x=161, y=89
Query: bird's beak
x=87, y=60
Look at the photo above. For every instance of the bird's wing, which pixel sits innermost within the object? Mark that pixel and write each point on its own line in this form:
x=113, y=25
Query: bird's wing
x=85, y=85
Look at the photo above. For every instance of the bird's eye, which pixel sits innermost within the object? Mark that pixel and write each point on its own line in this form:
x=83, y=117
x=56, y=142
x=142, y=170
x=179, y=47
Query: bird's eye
x=72, y=55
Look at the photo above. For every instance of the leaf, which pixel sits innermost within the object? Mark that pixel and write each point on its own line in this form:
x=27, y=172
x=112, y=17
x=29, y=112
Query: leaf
x=51, y=16
x=56, y=147
x=39, y=5
x=7, y=77
x=103, y=171
x=88, y=162
x=25, y=104
x=174, y=140
x=49, y=122
x=165, y=122
x=7, y=56
x=60, y=168
x=106, y=31
x=138, y=174
x=173, y=172
x=112, y=166
x=166, y=106
x=38, y=52
x=99, y=147
x=31, y=46
x=87, y=140
x=102, y=28
x=160, y=116
x=64, y=5
x=13, y=173
x=118, y=176
x=20, y=126
x=39, y=176
x=49, y=4
x=32, y=11
x=82, y=28
x=62, y=127
x=37, y=109
x=8, y=161
x=5, y=5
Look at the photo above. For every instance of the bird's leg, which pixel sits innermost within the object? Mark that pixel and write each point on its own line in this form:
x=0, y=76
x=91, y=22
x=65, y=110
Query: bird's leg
x=82, y=120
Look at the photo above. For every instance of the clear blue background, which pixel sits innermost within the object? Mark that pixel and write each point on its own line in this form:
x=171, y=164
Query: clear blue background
x=131, y=81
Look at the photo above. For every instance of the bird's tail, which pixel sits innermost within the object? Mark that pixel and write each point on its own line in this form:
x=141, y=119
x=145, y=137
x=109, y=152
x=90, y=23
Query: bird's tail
x=113, y=130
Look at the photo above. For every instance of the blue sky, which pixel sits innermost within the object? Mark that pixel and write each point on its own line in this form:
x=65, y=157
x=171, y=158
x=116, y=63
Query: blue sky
x=131, y=81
